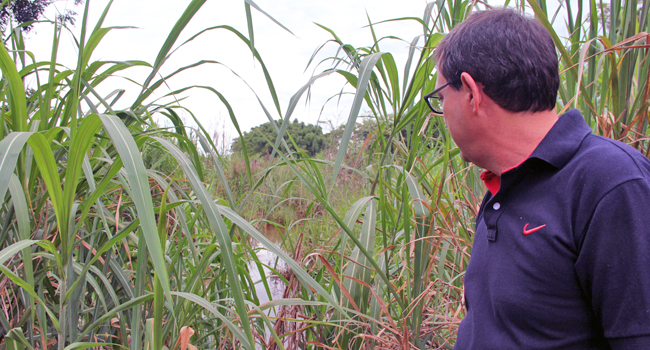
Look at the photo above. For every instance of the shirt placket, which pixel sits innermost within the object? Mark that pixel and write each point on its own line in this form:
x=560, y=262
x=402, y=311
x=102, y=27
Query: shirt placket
x=497, y=205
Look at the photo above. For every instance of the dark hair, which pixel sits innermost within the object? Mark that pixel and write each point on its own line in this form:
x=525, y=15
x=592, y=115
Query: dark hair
x=512, y=56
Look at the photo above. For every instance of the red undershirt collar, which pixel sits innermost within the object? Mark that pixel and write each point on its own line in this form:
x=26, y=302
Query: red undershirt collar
x=492, y=181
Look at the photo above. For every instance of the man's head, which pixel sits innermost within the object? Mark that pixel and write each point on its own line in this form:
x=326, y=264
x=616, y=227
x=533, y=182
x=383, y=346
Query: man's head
x=512, y=56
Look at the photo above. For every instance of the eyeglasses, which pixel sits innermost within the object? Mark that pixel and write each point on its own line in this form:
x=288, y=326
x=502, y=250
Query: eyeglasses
x=432, y=99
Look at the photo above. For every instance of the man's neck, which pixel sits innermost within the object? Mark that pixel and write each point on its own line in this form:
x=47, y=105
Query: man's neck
x=516, y=136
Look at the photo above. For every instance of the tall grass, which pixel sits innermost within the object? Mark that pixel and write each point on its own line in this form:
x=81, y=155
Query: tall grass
x=103, y=246
x=99, y=250
x=401, y=269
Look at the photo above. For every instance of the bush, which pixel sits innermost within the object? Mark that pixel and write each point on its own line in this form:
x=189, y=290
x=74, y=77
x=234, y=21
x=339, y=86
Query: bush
x=307, y=138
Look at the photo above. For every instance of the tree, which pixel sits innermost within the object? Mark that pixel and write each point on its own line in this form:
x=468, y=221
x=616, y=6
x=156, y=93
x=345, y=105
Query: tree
x=20, y=12
x=365, y=133
x=309, y=138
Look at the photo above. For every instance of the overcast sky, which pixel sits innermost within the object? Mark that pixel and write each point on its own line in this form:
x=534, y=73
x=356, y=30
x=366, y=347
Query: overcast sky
x=284, y=54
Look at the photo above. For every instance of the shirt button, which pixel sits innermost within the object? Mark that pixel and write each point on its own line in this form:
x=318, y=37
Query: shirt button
x=496, y=206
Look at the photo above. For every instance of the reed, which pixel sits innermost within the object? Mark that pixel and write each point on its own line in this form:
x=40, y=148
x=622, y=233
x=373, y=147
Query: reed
x=99, y=250
x=404, y=275
x=104, y=246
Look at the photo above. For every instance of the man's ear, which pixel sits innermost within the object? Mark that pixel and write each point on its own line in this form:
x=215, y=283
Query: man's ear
x=475, y=92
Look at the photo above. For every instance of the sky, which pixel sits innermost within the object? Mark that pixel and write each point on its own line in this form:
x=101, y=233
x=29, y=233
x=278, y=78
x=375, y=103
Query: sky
x=285, y=55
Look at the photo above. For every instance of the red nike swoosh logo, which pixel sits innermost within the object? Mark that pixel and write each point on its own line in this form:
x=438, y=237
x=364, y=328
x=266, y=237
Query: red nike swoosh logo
x=527, y=232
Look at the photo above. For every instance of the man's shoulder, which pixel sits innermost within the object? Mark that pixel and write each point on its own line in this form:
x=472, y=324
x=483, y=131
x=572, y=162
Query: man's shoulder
x=609, y=162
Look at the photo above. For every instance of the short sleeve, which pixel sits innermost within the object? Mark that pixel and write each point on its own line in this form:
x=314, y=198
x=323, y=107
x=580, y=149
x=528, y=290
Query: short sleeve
x=613, y=263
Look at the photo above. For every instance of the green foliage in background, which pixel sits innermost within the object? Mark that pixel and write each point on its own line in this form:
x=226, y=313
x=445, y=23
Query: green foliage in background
x=301, y=137
x=23, y=13
x=100, y=247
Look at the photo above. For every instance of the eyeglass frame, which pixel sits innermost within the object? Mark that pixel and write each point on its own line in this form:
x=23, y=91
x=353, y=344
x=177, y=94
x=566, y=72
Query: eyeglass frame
x=432, y=94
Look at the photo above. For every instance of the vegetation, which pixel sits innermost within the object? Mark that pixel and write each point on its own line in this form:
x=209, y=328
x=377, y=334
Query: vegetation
x=105, y=245
x=23, y=13
x=301, y=137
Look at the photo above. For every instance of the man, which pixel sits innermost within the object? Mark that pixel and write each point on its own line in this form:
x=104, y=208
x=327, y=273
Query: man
x=561, y=252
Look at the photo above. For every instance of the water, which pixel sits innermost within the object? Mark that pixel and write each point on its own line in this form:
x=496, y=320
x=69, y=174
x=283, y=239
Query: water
x=268, y=258
x=276, y=285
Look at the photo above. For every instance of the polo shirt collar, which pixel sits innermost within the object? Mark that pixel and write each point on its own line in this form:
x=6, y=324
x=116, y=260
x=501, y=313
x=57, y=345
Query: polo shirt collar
x=563, y=140
x=556, y=148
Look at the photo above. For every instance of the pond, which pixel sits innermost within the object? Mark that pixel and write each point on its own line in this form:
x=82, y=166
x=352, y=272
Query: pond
x=266, y=257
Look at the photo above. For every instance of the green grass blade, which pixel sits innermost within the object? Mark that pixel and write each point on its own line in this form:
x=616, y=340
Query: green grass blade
x=22, y=217
x=208, y=306
x=81, y=346
x=356, y=268
x=141, y=194
x=50, y=174
x=79, y=148
x=13, y=249
x=104, y=248
x=365, y=72
x=249, y=22
x=15, y=340
x=564, y=54
x=350, y=219
x=211, y=149
x=221, y=232
x=182, y=22
x=10, y=148
x=119, y=308
x=27, y=288
x=293, y=102
x=16, y=91
x=251, y=3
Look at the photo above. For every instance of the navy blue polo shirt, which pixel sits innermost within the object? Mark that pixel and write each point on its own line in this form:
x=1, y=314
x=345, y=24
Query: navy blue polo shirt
x=561, y=254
